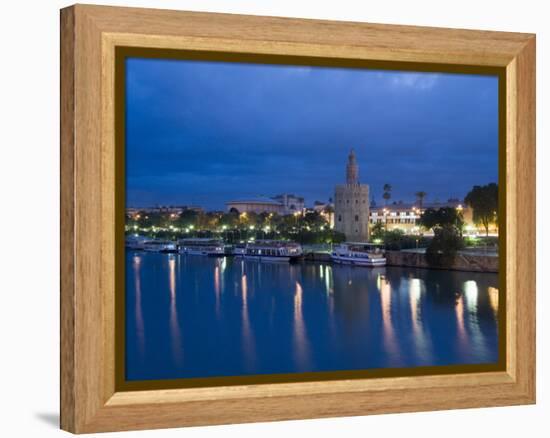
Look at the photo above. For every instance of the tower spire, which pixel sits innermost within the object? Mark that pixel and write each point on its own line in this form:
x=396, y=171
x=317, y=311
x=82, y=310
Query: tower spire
x=352, y=170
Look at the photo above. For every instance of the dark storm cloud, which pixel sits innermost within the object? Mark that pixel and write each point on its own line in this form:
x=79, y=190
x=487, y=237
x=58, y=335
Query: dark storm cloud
x=205, y=133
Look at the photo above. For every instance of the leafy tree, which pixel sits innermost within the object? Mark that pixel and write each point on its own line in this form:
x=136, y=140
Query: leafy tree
x=314, y=220
x=442, y=250
x=335, y=237
x=264, y=219
x=393, y=240
x=187, y=219
x=230, y=220
x=377, y=231
x=484, y=202
x=387, y=193
x=420, y=197
x=432, y=218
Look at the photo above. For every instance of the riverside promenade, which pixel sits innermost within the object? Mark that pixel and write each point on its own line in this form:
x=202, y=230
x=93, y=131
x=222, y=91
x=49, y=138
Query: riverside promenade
x=466, y=260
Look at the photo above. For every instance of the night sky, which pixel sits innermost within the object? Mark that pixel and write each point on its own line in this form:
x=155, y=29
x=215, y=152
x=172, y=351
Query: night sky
x=204, y=133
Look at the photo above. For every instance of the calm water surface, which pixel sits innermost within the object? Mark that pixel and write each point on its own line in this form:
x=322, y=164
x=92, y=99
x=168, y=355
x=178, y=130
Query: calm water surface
x=192, y=316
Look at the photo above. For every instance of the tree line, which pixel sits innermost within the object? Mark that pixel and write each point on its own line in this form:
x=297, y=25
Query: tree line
x=309, y=228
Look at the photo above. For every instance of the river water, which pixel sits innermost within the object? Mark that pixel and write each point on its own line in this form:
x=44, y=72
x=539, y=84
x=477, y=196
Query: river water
x=193, y=316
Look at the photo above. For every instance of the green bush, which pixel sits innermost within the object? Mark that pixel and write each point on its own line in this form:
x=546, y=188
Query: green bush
x=442, y=250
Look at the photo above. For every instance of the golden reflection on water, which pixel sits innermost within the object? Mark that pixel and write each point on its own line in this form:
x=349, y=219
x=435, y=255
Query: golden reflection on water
x=217, y=289
x=175, y=331
x=301, y=343
x=462, y=334
x=414, y=299
x=493, y=299
x=388, y=330
x=329, y=279
x=326, y=277
x=248, y=335
x=140, y=326
x=471, y=294
x=420, y=338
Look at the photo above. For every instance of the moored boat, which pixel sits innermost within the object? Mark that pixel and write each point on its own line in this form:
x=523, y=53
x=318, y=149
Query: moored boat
x=158, y=246
x=239, y=249
x=135, y=241
x=201, y=246
x=358, y=254
x=273, y=251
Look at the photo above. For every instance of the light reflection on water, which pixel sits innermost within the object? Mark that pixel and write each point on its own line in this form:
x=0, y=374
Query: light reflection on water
x=421, y=339
x=140, y=328
x=248, y=335
x=175, y=333
x=233, y=317
x=392, y=348
x=301, y=344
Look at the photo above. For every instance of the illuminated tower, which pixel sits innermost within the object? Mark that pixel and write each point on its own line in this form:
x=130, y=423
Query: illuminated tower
x=351, y=204
x=352, y=171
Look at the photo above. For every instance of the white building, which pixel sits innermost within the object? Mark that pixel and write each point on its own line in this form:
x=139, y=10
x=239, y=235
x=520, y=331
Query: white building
x=291, y=203
x=255, y=205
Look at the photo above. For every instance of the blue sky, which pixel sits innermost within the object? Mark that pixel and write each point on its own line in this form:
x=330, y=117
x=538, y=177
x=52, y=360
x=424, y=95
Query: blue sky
x=204, y=133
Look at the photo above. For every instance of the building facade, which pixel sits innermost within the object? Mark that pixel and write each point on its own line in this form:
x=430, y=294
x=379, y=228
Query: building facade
x=326, y=210
x=255, y=205
x=291, y=203
x=281, y=204
x=405, y=217
x=351, y=204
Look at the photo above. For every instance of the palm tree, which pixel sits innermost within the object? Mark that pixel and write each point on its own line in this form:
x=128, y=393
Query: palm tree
x=420, y=196
x=387, y=193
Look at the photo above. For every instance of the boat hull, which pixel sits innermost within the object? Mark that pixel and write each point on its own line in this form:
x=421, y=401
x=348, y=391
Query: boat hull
x=270, y=259
x=203, y=253
x=161, y=250
x=355, y=261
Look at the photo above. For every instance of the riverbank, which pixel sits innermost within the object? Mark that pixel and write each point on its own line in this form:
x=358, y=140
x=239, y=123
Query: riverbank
x=464, y=261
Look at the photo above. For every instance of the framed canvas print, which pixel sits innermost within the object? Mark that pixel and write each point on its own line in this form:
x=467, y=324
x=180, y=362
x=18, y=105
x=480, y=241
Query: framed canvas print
x=269, y=218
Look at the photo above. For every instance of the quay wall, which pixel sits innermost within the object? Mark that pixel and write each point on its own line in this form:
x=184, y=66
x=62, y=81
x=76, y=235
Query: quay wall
x=462, y=262
x=317, y=257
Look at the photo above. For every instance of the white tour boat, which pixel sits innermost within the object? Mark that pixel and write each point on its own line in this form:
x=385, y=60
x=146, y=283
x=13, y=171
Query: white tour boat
x=135, y=241
x=201, y=246
x=239, y=249
x=158, y=246
x=273, y=251
x=358, y=254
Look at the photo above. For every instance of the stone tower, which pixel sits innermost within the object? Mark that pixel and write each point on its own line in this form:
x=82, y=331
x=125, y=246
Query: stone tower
x=351, y=204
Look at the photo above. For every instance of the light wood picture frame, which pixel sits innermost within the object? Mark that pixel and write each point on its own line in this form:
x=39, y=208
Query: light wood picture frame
x=91, y=399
